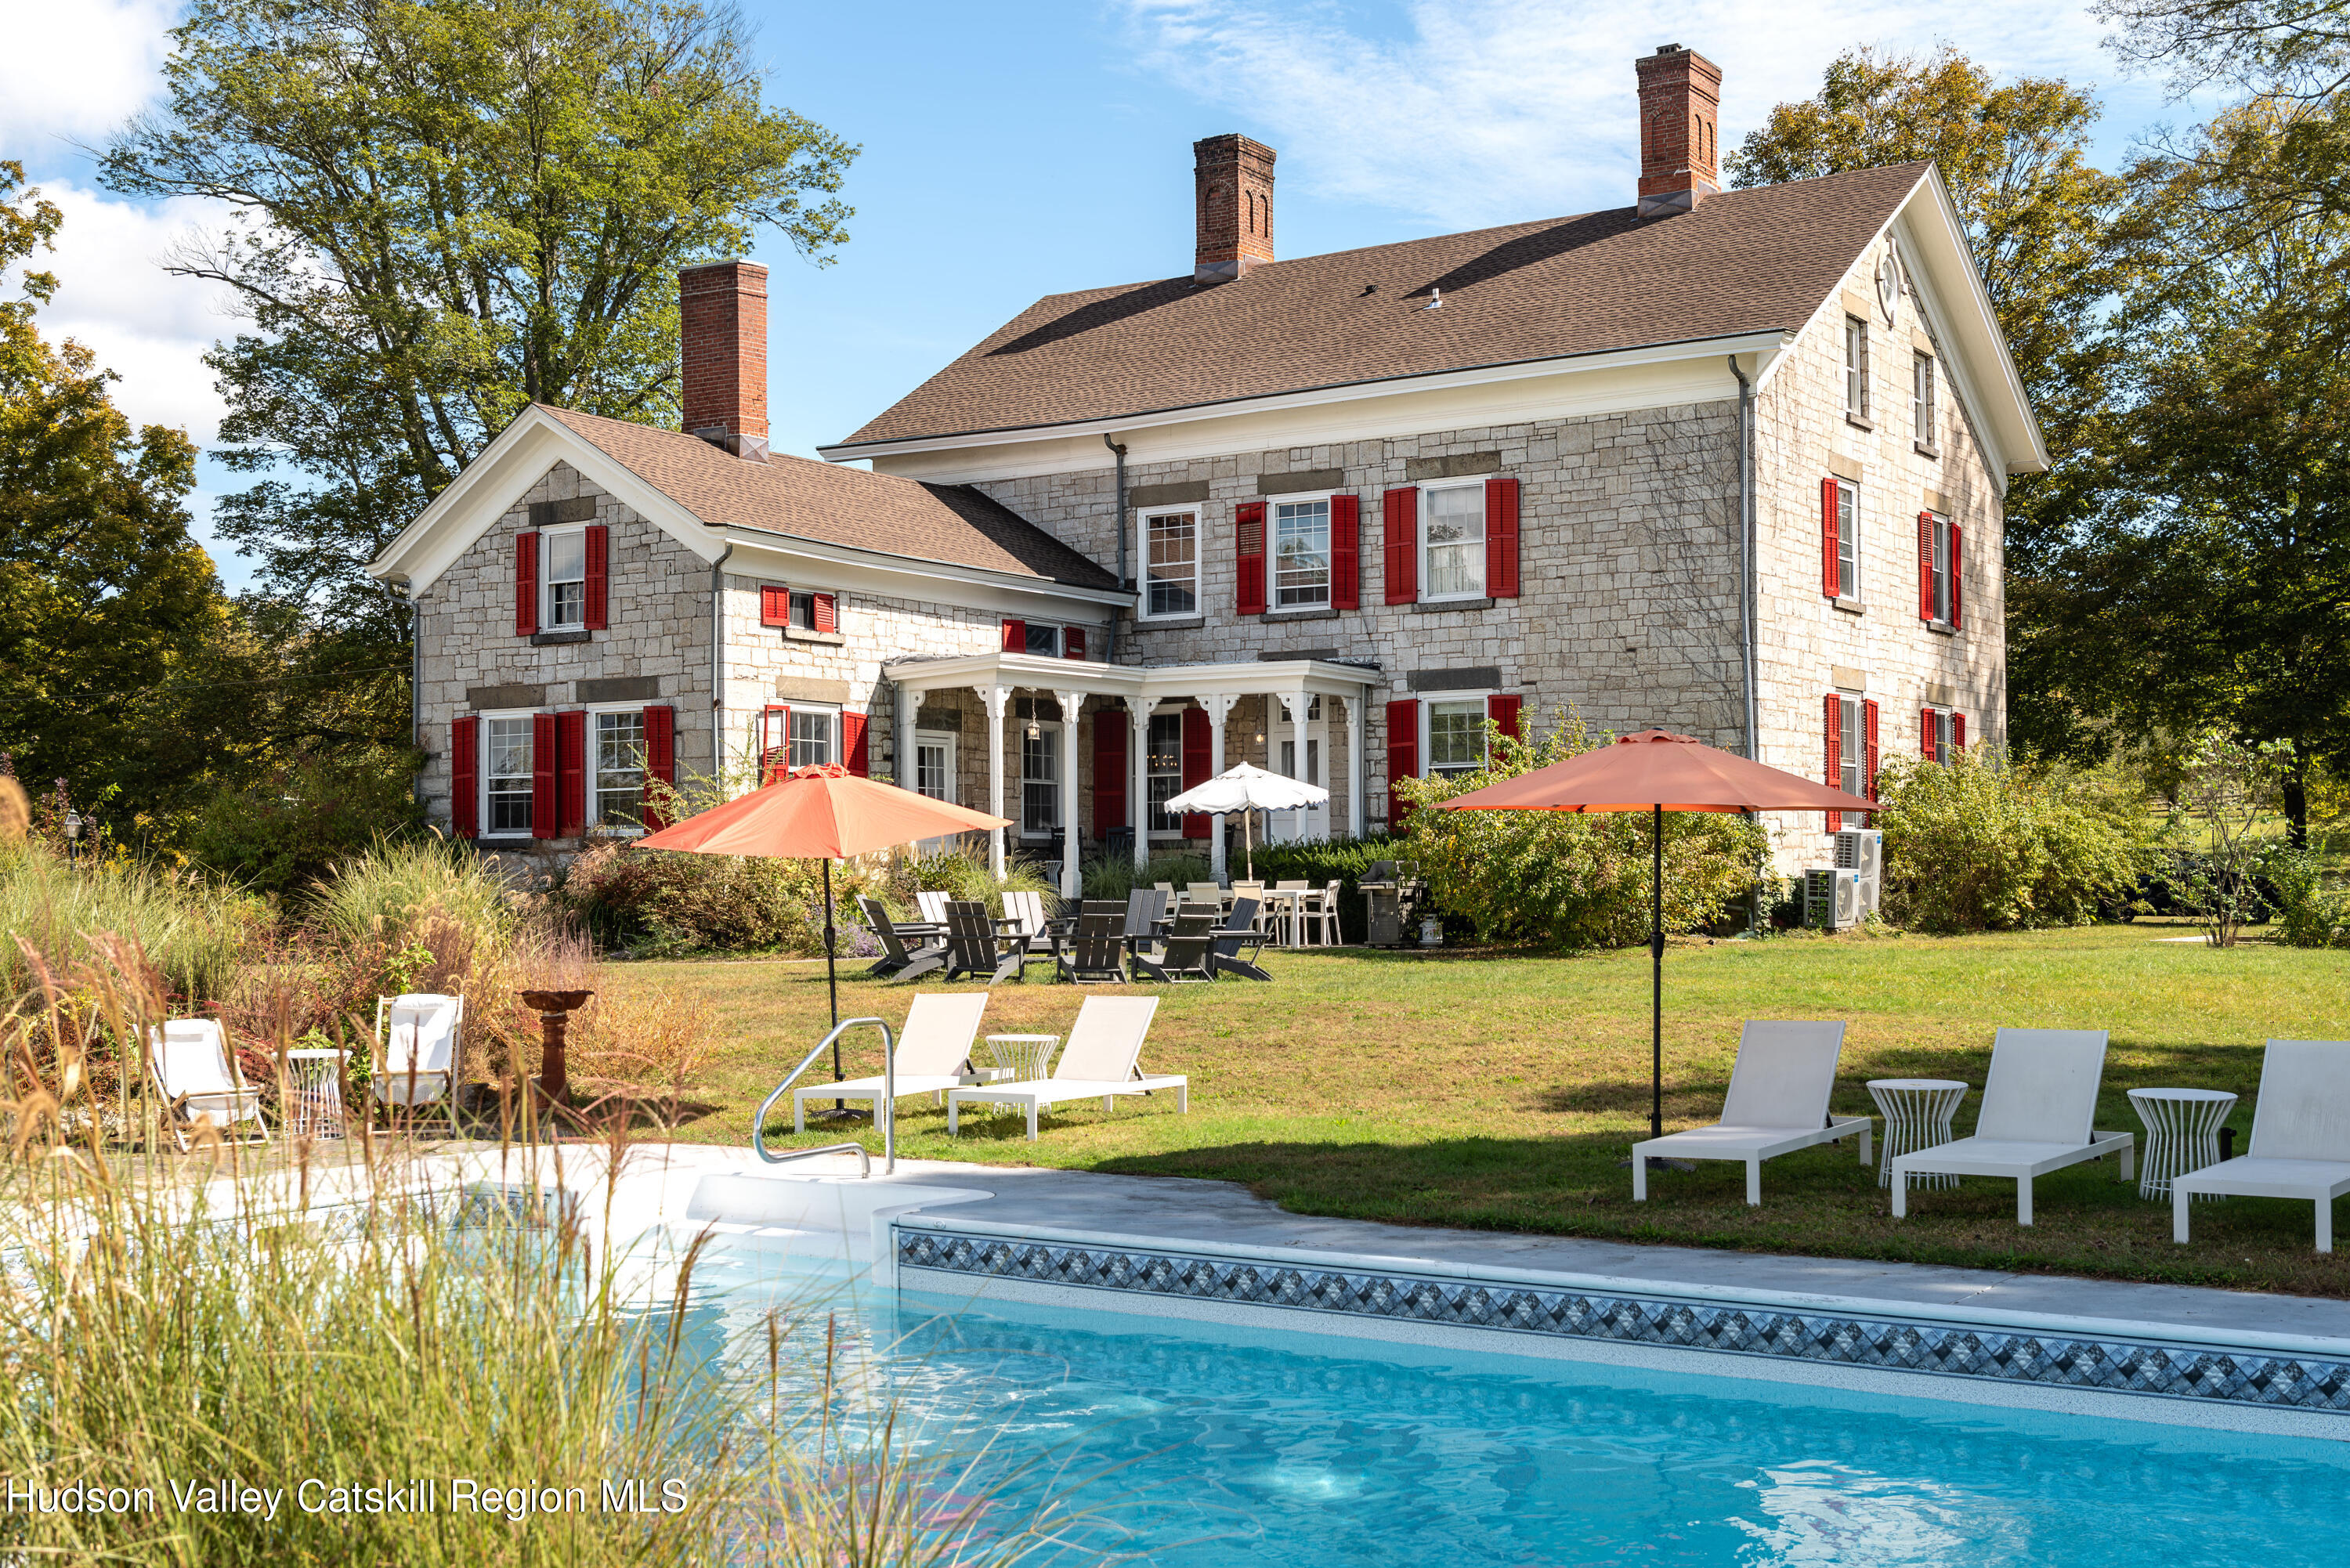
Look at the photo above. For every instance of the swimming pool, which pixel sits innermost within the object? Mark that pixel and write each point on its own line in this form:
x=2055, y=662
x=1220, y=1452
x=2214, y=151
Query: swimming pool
x=1190, y=1444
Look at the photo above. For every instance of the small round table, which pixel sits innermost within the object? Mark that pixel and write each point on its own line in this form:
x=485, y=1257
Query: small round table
x=2182, y=1134
x=314, y=1083
x=1918, y=1113
x=1026, y=1055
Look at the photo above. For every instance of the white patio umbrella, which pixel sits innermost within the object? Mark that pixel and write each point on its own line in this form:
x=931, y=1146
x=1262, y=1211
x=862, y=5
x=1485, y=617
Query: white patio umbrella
x=1245, y=787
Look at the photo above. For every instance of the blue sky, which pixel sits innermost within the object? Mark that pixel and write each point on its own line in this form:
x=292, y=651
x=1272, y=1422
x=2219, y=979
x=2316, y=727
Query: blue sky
x=1016, y=151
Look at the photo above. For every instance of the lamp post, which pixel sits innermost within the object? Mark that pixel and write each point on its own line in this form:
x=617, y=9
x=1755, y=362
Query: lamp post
x=73, y=836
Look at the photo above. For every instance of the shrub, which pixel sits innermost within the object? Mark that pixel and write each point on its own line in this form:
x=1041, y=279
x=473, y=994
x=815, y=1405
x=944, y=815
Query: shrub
x=1570, y=881
x=190, y=927
x=964, y=874
x=392, y=890
x=658, y=902
x=1321, y=861
x=2308, y=914
x=294, y=827
x=1113, y=877
x=1984, y=843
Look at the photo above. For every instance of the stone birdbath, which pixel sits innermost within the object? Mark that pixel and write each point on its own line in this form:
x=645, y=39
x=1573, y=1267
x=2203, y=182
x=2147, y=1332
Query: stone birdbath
x=554, y=1009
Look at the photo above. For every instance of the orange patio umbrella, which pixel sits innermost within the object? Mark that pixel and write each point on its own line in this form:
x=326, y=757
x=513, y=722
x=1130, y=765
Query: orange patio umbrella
x=824, y=814
x=1657, y=772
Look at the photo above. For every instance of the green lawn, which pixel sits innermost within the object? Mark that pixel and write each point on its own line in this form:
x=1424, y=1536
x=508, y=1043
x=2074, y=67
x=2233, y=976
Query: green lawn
x=1500, y=1092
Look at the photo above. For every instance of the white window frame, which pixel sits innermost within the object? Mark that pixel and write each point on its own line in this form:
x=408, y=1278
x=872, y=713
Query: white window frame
x=1057, y=732
x=548, y=620
x=592, y=771
x=1142, y=518
x=529, y=717
x=1944, y=735
x=792, y=741
x=1164, y=710
x=1925, y=404
x=1273, y=505
x=1483, y=523
x=942, y=738
x=1428, y=702
x=1848, y=493
x=1852, y=742
x=1941, y=568
x=1052, y=628
x=1855, y=368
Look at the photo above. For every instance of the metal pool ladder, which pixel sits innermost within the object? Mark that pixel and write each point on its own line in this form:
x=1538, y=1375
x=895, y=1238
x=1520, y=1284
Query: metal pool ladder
x=886, y=1113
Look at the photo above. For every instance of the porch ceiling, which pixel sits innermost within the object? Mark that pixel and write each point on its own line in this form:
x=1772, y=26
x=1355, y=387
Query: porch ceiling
x=1036, y=672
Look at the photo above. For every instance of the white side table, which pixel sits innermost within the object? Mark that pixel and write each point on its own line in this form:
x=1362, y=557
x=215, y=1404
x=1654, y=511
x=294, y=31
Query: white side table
x=1027, y=1056
x=2182, y=1134
x=1918, y=1113
x=314, y=1083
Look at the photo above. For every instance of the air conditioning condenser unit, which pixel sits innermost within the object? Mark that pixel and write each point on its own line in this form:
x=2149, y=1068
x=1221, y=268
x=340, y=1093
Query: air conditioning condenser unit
x=1862, y=850
x=1831, y=898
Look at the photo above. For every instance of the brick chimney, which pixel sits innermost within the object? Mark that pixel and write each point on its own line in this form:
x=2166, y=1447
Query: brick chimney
x=1680, y=99
x=1234, y=176
x=722, y=308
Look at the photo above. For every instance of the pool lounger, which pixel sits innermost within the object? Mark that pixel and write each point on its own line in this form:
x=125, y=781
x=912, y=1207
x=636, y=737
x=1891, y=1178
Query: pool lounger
x=2301, y=1138
x=933, y=1054
x=1099, y=1062
x=1777, y=1104
x=2038, y=1102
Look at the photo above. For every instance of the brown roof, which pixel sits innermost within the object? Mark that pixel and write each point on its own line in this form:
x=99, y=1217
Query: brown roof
x=1744, y=261
x=951, y=523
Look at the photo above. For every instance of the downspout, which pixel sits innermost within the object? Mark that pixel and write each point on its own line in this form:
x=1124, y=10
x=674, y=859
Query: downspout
x=718, y=665
x=1746, y=608
x=1109, y=653
x=416, y=691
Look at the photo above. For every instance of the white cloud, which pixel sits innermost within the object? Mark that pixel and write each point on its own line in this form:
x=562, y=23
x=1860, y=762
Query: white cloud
x=1485, y=111
x=74, y=69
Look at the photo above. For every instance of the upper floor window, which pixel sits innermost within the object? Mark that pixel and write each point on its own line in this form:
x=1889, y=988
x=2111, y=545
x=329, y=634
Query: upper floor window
x=1301, y=554
x=1921, y=403
x=506, y=775
x=1855, y=368
x=1456, y=737
x=1848, y=539
x=1171, y=555
x=1042, y=639
x=1937, y=568
x=1946, y=734
x=1852, y=745
x=565, y=587
x=1452, y=541
x=804, y=608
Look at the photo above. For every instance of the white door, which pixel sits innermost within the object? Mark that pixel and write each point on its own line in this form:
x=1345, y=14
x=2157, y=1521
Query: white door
x=1309, y=821
x=934, y=775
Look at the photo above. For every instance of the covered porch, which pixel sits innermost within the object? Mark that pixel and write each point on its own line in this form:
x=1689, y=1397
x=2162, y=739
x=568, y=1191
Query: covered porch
x=1077, y=751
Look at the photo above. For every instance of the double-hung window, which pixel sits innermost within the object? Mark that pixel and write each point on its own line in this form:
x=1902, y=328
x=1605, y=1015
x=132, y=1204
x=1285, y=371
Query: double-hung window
x=618, y=787
x=1921, y=403
x=1452, y=533
x=1852, y=745
x=1301, y=554
x=1946, y=734
x=816, y=734
x=1938, y=566
x=1847, y=540
x=1040, y=781
x=565, y=603
x=1171, y=556
x=1855, y=368
x=506, y=775
x=1456, y=737
x=1164, y=766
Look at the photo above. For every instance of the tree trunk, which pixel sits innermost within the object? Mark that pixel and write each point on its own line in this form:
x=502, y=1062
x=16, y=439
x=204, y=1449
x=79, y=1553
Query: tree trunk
x=2296, y=801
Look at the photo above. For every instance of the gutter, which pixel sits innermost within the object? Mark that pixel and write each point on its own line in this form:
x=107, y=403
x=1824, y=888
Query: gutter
x=1109, y=652
x=1746, y=608
x=718, y=665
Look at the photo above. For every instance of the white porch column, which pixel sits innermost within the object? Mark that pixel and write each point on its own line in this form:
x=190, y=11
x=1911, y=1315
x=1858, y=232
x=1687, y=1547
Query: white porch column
x=1070, y=701
x=1219, y=705
x=1295, y=702
x=904, y=771
x=1137, y=763
x=1359, y=714
x=994, y=697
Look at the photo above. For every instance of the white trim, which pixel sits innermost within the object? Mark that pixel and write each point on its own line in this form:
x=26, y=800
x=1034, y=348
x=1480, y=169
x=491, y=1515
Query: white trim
x=1427, y=700
x=1158, y=682
x=1419, y=542
x=1062, y=730
x=1761, y=343
x=1940, y=252
x=481, y=773
x=1142, y=515
x=952, y=741
x=1858, y=598
x=589, y=772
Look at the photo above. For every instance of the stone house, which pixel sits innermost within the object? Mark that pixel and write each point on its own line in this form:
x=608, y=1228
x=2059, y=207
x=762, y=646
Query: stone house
x=1729, y=462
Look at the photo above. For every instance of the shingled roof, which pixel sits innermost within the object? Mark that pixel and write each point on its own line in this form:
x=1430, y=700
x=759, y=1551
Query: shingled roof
x=950, y=524
x=1744, y=261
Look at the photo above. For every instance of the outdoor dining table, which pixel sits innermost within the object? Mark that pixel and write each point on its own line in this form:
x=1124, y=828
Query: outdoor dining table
x=1282, y=905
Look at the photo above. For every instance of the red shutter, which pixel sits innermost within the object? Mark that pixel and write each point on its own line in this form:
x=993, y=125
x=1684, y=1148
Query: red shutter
x=660, y=754
x=1403, y=749
x=1925, y=566
x=1829, y=582
x=1927, y=728
x=526, y=583
x=1109, y=770
x=854, y=746
x=774, y=605
x=1835, y=755
x=544, y=814
x=1197, y=759
x=1073, y=642
x=1346, y=552
x=828, y=612
x=1956, y=575
x=599, y=577
x=1504, y=711
x=1401, y=552
x=1501, y=539
x=571, y=773
x=465, y=776
x=774, y=740
x=1869, y=754
x=1958, y=730
x=1248, y=546
x=1016, y=637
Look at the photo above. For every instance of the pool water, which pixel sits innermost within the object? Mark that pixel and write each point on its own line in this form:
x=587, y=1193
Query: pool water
x=1187, y=1444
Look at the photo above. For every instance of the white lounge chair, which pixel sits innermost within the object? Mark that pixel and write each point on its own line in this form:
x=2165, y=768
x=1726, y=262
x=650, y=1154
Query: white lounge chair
x=1099, y=1060
x=933, y=1055
x=2037, y=1107
x=421, y=1033
x=1777, y=1104
x=2301, y=1138
x=188, y=1060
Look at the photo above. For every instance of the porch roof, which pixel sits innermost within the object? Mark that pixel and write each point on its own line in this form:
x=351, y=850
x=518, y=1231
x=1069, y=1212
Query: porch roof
x=1314, y=677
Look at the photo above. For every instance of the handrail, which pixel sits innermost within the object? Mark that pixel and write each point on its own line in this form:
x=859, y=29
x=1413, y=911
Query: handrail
x=886, y=1114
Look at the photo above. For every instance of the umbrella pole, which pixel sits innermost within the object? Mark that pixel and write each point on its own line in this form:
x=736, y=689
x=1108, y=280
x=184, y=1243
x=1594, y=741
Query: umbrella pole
x=1657, y=975
x=831, y=975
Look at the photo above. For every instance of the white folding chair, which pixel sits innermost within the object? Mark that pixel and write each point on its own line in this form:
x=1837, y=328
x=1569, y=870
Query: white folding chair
x=188, y=1060
x=420, y=1034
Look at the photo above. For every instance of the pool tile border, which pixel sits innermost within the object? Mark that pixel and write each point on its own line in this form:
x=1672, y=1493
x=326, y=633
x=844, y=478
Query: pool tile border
x=1950, y=1348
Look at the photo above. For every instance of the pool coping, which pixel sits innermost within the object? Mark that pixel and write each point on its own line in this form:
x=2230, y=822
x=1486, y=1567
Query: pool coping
x=2172, y=1363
